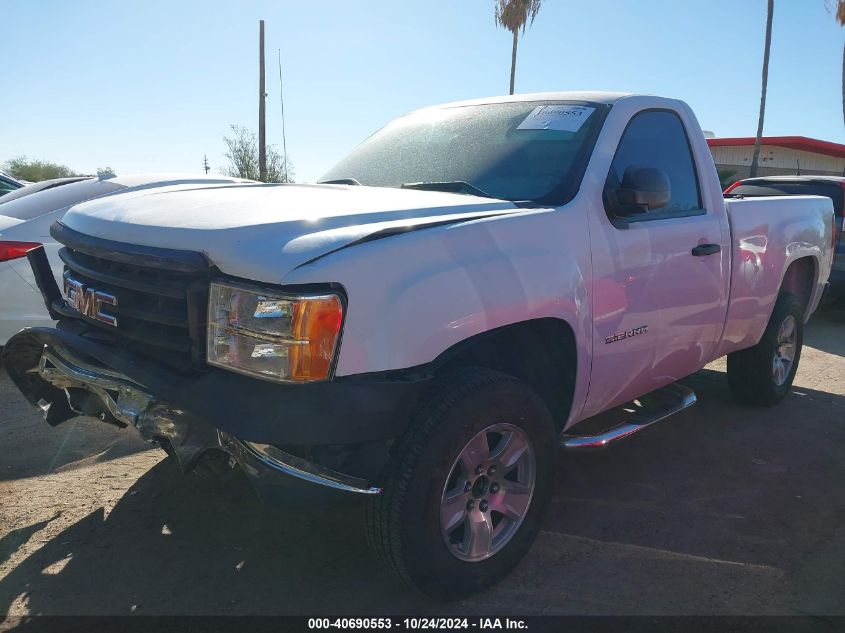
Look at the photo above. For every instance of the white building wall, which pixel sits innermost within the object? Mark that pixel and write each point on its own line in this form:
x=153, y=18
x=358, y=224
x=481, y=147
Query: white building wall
x=774, y=159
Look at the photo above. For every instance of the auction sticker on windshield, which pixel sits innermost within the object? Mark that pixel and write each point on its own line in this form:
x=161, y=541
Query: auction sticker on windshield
x=556, y=117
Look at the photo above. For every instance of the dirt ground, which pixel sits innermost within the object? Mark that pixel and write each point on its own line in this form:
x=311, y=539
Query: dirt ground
x=723, y=509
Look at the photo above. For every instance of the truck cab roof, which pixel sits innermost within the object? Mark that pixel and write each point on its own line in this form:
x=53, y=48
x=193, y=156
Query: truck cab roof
x=602, y=97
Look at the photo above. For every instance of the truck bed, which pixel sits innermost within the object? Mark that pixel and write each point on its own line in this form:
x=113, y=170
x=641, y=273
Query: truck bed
x=767, y=235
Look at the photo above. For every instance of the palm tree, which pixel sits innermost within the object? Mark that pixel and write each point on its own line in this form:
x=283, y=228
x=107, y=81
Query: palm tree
x=514, y=15
x=755, y=157
x=839, y=11
x=840, y=17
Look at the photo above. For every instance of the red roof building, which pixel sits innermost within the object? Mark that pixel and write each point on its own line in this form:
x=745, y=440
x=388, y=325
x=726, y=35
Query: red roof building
x=779, y=155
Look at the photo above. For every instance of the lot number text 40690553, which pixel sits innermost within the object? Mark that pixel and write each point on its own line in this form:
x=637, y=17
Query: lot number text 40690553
x=418, y=623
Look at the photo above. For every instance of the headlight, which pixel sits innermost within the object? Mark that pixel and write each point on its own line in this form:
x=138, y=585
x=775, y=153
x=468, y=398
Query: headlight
x=272, y=335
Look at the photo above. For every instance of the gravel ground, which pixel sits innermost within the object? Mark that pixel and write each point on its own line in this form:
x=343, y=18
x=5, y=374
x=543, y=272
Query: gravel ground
x=724, y=509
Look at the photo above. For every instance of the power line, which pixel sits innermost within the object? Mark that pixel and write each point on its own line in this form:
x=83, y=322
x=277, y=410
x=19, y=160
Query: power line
x=262, y=145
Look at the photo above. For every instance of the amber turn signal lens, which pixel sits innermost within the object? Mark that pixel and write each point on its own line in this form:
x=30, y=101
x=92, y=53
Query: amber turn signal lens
x=315, y=322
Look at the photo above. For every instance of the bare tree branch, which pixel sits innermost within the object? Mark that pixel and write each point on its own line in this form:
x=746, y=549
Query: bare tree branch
x=242, y=155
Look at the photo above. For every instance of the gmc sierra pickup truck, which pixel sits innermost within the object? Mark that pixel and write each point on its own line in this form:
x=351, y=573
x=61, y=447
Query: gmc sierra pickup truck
x=426, y=326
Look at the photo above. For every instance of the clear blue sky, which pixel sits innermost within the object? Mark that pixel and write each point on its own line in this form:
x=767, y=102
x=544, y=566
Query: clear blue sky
x=153, y=85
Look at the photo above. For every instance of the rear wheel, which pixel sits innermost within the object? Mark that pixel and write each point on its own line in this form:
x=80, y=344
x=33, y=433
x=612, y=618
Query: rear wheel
x=467, y=487
x=763, y=374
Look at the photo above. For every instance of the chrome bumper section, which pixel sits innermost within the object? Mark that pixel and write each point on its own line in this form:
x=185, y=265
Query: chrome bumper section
x=272, y=457
x=120, y=400
x=123, y=399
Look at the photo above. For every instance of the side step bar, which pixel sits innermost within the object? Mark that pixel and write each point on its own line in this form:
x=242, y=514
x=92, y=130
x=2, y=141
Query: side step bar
x=675, y=398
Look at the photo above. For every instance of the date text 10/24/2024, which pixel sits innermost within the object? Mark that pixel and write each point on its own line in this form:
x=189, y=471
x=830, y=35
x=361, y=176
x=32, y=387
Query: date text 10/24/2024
x=419, y=623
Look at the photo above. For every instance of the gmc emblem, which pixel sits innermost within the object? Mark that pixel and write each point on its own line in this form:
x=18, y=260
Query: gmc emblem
x=89, y=302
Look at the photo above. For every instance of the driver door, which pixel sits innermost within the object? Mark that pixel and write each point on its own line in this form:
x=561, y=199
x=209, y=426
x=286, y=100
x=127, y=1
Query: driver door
x=658, y=307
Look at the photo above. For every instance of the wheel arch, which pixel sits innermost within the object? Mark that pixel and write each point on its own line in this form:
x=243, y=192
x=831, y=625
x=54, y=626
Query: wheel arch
x=799, y=279
x=541, y=352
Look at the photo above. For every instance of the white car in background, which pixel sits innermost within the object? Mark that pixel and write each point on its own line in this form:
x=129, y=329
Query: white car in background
x=42, y=185
x=25, y=223
x=7, y=183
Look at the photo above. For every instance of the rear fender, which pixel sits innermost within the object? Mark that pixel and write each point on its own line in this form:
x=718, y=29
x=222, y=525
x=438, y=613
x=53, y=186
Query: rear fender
x=772, y=240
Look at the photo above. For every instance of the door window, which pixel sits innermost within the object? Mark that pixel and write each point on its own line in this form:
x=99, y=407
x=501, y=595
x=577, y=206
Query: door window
x=657, y=139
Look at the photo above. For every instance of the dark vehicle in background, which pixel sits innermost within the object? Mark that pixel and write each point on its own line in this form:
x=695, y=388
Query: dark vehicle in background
x=7, y=184
x=832, y=187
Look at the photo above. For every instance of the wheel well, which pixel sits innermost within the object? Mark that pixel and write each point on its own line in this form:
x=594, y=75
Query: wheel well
x=799, y=280
x=540, y=352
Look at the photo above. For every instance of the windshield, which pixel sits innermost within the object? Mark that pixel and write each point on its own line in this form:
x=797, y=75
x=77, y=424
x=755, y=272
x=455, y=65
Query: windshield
x=512, y=151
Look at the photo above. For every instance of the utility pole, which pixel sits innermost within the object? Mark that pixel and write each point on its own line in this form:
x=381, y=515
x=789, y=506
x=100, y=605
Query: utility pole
x=282, y=101
x=262, y=141
x=205, y=163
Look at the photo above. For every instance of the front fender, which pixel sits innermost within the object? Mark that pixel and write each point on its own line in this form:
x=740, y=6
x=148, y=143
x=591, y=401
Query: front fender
x=413, y=296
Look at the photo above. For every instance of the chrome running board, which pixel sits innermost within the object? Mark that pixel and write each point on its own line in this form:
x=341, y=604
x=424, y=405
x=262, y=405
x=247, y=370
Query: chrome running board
x=678, y=398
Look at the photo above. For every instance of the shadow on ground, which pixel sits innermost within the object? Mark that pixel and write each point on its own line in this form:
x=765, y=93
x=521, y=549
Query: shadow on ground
x=826, y=330
x=724, y=510
x=32, y=447
x=169, y=546
x=17, y=537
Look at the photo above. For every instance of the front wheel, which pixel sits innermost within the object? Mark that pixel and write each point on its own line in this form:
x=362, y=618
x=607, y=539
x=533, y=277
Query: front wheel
x=763, y=374
x=467, y=487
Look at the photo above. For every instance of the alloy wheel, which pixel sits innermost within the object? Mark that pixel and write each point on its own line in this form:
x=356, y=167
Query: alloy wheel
x=488, y=492
x=784, y=355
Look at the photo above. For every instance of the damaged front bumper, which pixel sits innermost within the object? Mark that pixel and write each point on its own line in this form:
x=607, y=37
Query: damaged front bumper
x=51, y=371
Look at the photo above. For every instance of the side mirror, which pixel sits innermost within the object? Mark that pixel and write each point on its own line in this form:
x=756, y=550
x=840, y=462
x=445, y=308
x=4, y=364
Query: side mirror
x=643, y=189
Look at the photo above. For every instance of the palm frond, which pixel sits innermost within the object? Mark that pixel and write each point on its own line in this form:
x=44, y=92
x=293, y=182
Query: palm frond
x=837, y=8
x=514, y=15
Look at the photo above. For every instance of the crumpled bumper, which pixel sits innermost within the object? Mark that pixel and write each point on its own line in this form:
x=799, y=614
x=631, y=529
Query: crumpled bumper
x=66, y=374
x=343, y=411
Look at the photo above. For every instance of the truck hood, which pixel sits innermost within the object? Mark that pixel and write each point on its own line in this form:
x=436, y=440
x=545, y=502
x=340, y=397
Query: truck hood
x=262, y=232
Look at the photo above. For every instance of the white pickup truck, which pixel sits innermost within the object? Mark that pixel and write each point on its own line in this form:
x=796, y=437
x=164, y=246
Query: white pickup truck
x=423, y=329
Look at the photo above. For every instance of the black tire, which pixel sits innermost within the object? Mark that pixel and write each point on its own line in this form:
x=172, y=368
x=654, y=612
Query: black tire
x=750, y=371
x=403, y=523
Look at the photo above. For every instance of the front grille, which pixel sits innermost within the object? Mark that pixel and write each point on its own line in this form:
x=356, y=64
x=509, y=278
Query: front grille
x=161, y=307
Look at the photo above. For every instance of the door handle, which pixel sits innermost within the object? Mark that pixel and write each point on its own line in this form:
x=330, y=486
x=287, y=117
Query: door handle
x=706, y=249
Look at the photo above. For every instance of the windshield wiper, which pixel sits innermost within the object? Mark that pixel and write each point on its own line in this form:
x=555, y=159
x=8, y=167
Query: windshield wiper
x=452, y=186
x=340, y=181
